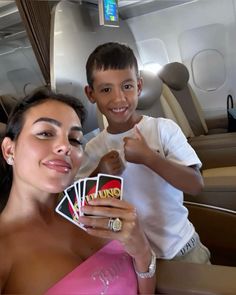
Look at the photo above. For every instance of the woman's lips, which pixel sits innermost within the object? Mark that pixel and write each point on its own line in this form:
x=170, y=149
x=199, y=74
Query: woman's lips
x=58, y=165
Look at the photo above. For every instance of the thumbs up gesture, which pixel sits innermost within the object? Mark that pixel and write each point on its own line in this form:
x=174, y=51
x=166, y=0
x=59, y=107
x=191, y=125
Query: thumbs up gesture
x=136, y=147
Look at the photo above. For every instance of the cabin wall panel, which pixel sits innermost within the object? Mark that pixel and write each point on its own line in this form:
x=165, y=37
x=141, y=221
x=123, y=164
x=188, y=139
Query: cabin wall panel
x=15, y=60
x=168, y=25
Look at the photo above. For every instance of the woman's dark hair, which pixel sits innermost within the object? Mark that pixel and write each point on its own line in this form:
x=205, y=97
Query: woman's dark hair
x=111, y=55
x=16, y=122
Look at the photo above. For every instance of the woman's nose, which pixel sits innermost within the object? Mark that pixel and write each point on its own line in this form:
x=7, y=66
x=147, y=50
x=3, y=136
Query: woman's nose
x=63, y=148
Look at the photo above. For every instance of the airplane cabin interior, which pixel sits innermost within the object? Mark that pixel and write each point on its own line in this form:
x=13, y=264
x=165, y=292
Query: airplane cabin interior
x=186, y=55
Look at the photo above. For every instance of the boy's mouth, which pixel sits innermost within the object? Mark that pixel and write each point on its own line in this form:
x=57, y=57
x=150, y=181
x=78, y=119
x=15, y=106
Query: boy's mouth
x=119, y=110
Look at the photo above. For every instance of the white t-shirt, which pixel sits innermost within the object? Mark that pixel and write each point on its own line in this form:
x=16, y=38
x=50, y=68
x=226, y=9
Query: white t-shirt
x=159, y=204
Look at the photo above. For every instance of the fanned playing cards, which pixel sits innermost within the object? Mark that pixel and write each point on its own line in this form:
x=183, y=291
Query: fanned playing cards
x=80, y=192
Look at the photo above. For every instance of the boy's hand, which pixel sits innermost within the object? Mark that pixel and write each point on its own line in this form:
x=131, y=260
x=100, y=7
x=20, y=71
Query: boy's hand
x=135, y=148
x=111, y=163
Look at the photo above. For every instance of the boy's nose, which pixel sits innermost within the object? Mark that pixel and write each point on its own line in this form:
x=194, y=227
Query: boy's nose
x=119, y=94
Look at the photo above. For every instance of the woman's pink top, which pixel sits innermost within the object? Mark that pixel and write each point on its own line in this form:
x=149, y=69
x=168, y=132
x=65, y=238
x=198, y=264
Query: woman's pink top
x=108, y=272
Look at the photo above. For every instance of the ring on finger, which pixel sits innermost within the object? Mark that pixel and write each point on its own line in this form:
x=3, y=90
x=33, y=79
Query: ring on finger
x=115, y=224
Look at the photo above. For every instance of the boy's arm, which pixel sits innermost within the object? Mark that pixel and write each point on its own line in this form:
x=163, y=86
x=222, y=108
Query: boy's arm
x=187, y=179
x=184, y=178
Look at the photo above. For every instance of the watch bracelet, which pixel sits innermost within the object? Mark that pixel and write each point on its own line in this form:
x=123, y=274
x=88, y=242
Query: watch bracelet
x=151, y=268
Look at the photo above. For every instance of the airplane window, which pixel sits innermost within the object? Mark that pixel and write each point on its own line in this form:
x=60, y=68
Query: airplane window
x=208, y=69
x=152, y=67
x=153, y=54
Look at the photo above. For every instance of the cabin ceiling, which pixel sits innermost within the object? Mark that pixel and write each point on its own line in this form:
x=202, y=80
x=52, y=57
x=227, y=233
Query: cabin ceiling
x=10, y=21
x=12, y=28
x=133, y=8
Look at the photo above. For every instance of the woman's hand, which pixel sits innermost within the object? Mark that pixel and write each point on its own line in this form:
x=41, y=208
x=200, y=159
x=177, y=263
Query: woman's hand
x=131, y=235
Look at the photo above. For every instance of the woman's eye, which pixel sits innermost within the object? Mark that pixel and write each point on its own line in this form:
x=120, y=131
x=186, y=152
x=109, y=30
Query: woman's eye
x=45, y=134
x=75, y=141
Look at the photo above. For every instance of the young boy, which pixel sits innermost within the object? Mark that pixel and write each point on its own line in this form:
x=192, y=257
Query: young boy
x=151, y=154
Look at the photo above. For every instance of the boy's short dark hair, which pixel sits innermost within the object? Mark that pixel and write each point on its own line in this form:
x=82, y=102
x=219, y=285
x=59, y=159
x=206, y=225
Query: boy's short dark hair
x=111, y=55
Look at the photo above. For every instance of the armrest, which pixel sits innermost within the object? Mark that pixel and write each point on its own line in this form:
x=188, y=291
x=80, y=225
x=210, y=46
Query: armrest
x=231, y=136
x=218, y=191
x=215, y=153
x=216, y=122
x=183, y=278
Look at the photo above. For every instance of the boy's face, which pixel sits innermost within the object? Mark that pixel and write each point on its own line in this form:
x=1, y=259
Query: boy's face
x=116, y=93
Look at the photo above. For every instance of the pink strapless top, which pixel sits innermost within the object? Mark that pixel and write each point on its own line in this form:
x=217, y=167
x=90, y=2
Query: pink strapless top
x=108, y=272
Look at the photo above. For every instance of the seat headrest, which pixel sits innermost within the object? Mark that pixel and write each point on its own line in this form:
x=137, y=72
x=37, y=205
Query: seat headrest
x=152, y=89
x=175, y=75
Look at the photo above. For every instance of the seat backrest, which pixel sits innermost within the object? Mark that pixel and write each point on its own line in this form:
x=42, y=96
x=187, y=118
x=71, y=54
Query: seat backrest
x=172, y=102
x=151, y=102
x=176, y=76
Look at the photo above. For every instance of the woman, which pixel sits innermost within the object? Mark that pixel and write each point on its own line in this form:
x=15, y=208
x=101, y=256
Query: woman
x=42, y=253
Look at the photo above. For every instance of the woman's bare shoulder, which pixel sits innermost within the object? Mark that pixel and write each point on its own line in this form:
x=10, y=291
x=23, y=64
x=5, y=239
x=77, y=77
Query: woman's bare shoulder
x=5, y=256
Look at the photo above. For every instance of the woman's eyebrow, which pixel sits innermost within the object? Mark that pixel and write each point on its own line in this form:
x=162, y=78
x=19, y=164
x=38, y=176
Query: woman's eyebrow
x=76, y=128
x=55, y=122
x=49, y=120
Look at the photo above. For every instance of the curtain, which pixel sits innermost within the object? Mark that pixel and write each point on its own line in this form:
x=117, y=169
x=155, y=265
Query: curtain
x=36, y=17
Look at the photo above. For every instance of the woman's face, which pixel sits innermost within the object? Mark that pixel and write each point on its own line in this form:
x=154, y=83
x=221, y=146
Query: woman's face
x=48, y=151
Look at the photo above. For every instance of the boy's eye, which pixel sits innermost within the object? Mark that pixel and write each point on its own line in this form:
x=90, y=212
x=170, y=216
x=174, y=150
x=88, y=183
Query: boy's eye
x=128, y=86
x=106, y=90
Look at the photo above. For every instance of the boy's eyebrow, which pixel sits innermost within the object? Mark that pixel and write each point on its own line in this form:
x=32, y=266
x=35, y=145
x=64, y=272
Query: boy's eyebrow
x=108, y=83
x=55, y=122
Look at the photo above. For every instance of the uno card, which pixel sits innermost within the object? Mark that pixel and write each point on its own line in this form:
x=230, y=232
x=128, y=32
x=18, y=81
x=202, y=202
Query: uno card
x=79, y=189
x=65, y=209
x=71, y=193
x=89, y=190
x=109, y=186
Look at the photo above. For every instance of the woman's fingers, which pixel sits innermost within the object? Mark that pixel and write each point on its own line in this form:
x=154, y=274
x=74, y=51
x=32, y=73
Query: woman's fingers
x=94, y=222
x=101, y=227
x=112, y=202
x=109, y=212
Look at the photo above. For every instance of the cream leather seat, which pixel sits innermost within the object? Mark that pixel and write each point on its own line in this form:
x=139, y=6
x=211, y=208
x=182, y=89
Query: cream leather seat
x=176, y=76
x=222, y=146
